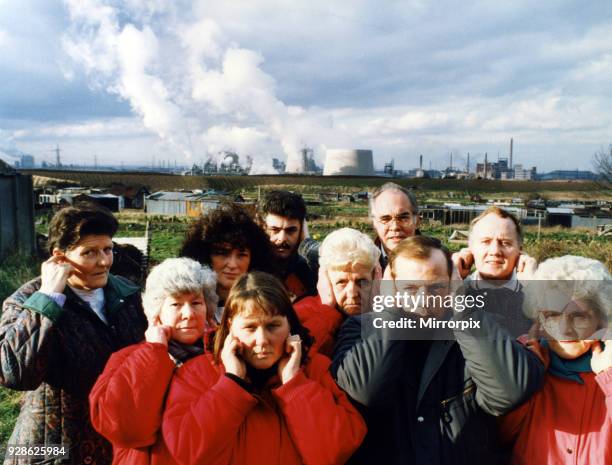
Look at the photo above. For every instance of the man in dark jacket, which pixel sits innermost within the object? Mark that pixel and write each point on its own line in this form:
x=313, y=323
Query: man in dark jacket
x=431, y=396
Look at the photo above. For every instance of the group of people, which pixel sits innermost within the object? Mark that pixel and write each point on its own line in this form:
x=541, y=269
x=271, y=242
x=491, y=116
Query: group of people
x=260, y=345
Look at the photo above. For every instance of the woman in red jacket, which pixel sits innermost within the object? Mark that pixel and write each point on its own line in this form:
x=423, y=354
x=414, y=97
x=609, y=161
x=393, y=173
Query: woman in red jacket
x=570, y=419
x=127, y=401
x=259, y=399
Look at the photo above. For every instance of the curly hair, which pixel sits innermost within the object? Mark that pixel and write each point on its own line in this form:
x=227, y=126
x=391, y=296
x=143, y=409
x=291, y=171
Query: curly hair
x=228, y=224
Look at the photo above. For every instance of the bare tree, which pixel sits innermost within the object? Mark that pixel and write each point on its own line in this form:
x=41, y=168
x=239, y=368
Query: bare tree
x=602, y=160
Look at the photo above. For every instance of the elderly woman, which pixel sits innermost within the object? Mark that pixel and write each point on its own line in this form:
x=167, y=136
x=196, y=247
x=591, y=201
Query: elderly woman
x=348, y=272
x=127, y=401
x=58, y=331
x=231, y=243
x=569, y=420
x=259, y=399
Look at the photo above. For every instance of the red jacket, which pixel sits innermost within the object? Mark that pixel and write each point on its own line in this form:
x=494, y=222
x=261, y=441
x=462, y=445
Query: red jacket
x=322, y=321
x=127, y=403
x=564, y=423
x=211, y=419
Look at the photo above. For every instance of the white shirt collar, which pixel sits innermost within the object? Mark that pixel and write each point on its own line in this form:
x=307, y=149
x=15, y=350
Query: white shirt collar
x=95, y=299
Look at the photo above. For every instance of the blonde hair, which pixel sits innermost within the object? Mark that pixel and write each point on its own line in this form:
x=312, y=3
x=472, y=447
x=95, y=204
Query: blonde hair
x=574, y=277
x=175, y=276
x=346, y=247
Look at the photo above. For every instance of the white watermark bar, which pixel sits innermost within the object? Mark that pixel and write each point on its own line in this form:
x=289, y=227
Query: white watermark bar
x=438, y=310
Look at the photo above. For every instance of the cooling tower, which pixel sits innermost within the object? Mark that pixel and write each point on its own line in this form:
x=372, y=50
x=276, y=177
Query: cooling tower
x=340, y=162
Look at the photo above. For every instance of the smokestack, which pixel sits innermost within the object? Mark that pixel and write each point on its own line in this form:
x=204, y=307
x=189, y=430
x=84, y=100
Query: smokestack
x=511, y=143
x=485, y=174
x=468, y=163
x=451, y=160
x=421, y=162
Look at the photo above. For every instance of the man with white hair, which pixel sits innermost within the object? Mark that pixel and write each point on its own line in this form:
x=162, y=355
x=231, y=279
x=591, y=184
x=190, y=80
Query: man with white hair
x=395, y=217
x=348, y=268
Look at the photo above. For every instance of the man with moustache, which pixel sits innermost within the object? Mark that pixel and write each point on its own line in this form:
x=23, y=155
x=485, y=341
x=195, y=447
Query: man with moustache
x=395, y=216
x=282, y=215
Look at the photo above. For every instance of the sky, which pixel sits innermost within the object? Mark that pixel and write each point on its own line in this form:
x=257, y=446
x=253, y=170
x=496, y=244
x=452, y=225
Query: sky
x=136, y=82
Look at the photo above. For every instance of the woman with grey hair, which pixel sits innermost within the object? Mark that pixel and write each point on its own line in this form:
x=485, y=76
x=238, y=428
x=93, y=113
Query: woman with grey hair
x=570, y=417
x=127, y=401
x=348, y=274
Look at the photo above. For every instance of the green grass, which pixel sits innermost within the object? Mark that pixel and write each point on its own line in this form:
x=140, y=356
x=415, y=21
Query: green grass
x=9, y=409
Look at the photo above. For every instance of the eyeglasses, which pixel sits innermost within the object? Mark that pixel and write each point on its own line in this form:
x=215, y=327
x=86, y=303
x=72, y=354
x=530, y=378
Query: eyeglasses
x=552, y=320
x=402, y=218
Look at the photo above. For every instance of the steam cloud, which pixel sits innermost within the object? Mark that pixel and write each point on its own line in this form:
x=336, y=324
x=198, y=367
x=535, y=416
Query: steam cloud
x=195, y=88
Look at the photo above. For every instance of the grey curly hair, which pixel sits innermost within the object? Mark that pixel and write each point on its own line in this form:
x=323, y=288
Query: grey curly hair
x=175, y=276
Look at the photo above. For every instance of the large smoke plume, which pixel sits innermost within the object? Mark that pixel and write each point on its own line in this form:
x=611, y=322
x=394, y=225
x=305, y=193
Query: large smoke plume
x=199, y=91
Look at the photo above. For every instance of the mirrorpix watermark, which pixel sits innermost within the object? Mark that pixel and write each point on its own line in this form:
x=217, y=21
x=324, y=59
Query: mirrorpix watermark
x=45, y=452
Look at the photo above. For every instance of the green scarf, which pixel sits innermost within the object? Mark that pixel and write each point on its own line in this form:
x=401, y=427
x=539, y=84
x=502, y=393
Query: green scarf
x=568, y=368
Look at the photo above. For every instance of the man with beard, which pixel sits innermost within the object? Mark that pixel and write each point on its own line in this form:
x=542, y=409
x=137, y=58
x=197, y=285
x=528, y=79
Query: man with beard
x=282, y=215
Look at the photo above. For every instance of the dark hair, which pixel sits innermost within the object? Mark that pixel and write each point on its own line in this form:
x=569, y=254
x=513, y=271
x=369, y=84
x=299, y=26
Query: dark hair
x=271, y=296
x=419, y=248
x=228, y=224
x=70, y=224
x=283, y=203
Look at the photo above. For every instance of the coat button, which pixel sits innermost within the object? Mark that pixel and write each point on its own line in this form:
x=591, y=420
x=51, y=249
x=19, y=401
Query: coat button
x=569, y=450
x=420, y=419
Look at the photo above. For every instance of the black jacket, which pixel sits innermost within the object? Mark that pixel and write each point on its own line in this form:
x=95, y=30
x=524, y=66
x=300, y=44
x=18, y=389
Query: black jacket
x=437, y=410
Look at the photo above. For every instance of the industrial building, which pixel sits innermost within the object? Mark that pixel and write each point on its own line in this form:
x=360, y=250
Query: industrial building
x=348, y=162
x=16, y=212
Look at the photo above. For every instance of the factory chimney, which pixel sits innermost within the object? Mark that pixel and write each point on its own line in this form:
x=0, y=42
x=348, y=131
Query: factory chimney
x=467, y=168
x=511, y=143
x=485, y=167
x=421, y=162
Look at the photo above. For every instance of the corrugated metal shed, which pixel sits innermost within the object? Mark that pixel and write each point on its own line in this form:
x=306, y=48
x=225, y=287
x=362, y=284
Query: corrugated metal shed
x=180, y=203
x=16, y=214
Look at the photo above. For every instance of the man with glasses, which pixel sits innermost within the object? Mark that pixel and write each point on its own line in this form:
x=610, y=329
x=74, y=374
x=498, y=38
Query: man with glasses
x=283, y=216
x=394, y=214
